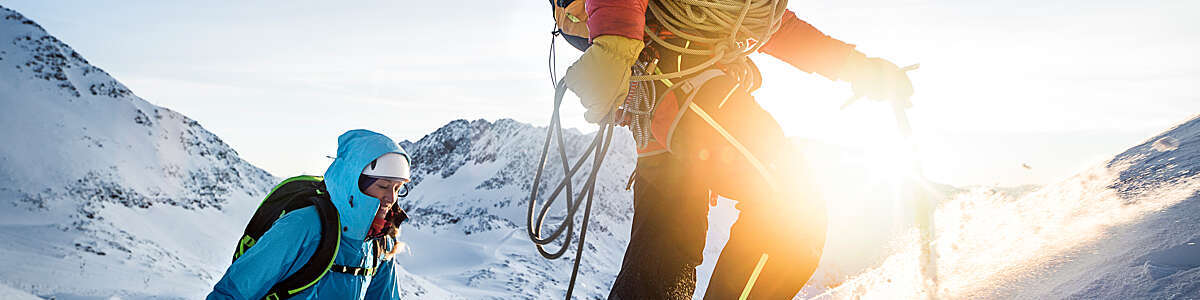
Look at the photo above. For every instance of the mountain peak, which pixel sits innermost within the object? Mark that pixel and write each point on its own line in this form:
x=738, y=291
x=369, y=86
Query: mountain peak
x=52, y=61
x=12, y=15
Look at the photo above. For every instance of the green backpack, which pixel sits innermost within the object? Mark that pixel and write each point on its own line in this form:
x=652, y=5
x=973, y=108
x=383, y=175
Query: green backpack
x=292, y=194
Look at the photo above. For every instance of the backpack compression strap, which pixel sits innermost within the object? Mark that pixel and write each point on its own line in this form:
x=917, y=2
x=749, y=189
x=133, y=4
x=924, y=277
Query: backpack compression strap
x=356, y=271
x=321, y=260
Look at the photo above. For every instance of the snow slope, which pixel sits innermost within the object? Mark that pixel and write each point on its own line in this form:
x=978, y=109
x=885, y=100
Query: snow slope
x=7, y=292
x=1123, y=229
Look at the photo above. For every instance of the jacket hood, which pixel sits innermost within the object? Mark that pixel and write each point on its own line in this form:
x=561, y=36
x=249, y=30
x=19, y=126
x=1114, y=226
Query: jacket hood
x=356, y=149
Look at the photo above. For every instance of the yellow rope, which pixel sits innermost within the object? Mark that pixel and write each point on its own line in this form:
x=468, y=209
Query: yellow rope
x=762, y=260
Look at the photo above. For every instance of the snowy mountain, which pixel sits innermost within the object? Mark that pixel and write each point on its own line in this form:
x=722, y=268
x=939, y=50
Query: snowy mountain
x=105, y=194
x=468, y=209
x=96, y=182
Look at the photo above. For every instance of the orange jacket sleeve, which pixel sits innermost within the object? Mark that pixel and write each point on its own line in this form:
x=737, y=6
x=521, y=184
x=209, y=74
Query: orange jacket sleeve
x=625, y=18
x=806, y=48
x=796, y=42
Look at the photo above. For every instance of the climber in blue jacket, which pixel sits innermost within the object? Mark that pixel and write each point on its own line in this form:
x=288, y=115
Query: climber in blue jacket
x=363, y=183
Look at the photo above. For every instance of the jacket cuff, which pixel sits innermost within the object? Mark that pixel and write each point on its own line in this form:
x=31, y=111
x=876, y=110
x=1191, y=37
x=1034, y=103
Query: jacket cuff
x=808, y=49
x=625, y=18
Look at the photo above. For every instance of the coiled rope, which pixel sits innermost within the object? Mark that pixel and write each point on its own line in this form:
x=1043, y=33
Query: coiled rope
x=597, y=150
x=730, y=29
x=724, y=31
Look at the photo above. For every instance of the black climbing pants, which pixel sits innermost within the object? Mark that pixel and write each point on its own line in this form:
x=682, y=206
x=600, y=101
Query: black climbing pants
x=730, y=146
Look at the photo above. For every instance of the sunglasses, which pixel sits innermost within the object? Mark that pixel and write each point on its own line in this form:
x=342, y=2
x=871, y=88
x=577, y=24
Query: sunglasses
x=404, y=189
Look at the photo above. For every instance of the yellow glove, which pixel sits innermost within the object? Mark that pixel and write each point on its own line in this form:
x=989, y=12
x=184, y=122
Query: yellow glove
x=877, y=78
x=601, y=76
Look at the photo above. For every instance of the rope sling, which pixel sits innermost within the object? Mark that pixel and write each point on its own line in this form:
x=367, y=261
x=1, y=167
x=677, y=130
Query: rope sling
x=729, y=29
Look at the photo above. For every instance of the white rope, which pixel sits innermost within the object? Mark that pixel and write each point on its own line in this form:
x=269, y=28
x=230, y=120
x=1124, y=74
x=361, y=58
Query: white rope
x=726, y=31
x=731, y=30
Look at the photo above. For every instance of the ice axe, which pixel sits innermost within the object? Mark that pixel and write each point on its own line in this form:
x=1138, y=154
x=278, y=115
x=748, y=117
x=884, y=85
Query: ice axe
x=923, y=216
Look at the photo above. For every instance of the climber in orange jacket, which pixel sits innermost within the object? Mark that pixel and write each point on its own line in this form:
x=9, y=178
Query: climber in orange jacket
x=707, y=136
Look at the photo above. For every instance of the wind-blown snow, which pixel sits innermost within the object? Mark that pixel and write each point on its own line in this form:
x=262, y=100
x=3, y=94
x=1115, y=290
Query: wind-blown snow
x=1166, y=144
x=1119, y=230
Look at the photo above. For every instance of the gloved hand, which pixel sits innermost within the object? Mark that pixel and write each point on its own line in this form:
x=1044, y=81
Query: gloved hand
x=877, y=79
x=601, y=76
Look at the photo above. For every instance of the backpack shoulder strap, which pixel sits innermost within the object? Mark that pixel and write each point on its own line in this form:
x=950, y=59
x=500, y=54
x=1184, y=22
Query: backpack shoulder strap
x=322, y=260
x=289, y=195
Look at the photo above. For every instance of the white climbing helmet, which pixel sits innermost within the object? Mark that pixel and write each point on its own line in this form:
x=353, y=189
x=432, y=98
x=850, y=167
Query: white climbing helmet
x=391, y=166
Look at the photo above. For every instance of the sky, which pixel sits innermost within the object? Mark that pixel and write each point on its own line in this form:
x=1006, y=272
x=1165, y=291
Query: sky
x=1055, y=85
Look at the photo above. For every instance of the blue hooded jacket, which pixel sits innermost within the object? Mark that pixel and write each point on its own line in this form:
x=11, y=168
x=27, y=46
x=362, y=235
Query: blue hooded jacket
x=293, y=239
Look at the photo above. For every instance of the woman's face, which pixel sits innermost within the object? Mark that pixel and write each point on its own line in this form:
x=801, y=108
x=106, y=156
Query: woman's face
x=385, y=190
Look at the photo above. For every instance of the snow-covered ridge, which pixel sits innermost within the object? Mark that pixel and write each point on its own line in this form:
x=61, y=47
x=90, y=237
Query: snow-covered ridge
x=468, y=207
x=503, y=155
x=45, y=78
x=96, y=181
